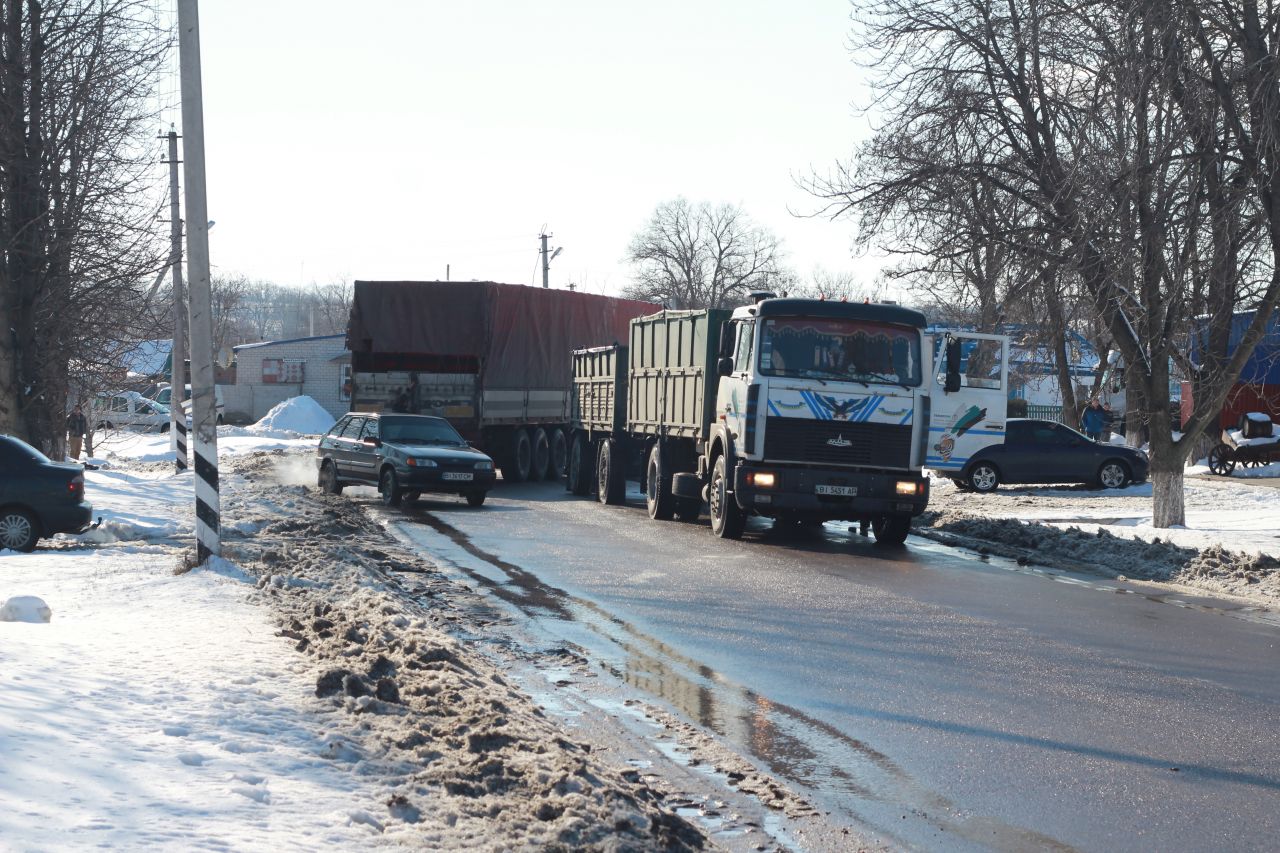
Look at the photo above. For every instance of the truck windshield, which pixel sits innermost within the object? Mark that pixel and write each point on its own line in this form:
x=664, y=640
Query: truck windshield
x=418, y=431
x=834, y=348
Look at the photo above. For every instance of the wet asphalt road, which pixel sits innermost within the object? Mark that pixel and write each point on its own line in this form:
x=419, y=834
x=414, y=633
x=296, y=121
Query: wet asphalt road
x=936, y=699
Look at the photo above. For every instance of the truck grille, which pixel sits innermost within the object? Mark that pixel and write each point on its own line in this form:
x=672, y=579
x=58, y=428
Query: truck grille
x=870, y=444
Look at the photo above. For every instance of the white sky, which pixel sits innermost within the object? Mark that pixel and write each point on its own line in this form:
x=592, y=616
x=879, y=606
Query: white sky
x=384, y=140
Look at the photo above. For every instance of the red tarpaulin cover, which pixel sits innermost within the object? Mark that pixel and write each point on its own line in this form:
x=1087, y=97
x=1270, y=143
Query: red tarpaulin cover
x=522, y=336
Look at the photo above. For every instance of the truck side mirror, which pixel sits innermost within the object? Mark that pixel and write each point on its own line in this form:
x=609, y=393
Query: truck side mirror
x=952, y=383
x=724, y=366
x=726, y=339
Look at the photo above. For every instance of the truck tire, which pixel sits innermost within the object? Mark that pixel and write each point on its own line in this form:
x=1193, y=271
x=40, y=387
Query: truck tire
x=519, y=458
x=610, y=474
x=559, y=453
x=688, y=509
x=727, y=518
x=579, y=479
x=657, y=492
x=891, y=529
x=540, y=461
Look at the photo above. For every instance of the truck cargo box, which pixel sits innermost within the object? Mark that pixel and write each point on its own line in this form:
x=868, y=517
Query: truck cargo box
x=599, y=390
x=672, y=382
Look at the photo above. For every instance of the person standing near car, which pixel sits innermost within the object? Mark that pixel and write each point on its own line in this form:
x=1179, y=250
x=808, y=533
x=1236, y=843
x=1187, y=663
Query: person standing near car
x=77, y=426
x=1093, y=420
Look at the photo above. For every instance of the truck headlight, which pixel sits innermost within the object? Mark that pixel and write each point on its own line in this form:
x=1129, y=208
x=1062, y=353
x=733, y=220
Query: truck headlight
x=907, y=487
x=415, y=462
x=486, y=465
x=763, y=479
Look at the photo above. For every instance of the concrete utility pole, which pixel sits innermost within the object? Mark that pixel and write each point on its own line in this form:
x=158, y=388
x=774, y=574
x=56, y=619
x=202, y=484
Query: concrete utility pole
x=178, y=371
x=547, y=257
x=203, y=403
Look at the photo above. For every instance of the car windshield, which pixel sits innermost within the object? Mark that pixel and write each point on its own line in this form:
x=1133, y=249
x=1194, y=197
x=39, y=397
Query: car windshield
x=418, y=431
x=835, y=348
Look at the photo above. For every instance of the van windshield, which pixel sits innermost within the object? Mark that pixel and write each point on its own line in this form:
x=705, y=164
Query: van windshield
x=835, y=348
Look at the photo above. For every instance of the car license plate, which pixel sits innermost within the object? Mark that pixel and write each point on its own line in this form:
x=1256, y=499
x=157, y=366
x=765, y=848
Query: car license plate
x=456, y=475
x=843, y=491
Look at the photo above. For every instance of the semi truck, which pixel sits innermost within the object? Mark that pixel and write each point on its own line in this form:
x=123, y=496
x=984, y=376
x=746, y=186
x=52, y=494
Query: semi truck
x=491, y=358
x=800, y=410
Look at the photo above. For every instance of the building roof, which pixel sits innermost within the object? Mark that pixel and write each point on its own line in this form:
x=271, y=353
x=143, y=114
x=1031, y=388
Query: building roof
x=287, y=341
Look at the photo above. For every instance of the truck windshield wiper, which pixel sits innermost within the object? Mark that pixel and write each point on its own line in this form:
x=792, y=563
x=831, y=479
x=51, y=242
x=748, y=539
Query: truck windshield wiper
x=892, y=380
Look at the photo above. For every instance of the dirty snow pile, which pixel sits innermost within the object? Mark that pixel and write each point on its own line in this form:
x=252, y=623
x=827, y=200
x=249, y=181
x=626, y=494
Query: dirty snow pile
x=301, y=693
x=302, y=415
x=1231, y=543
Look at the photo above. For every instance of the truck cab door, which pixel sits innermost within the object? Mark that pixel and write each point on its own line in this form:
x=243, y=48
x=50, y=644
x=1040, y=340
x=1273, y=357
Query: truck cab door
x=731, y=395
x=970, y=393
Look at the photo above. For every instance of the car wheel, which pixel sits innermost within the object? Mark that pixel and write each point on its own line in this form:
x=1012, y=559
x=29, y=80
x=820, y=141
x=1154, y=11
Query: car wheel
x=540, y=462
x=389, y=487
x=476, y=498
x=984, y=477
x=520, y=457
x=559, y=454
x=579, y=480
x=164, y=427
x=329, y=479
x=657, y=487
x=727, y=518
x=410, y=498
x=18, y=530
x=891, y=529
x=1113, y=475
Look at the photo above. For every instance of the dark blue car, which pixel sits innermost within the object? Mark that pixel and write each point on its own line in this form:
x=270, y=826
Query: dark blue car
x=38, y=497
x=1037, y=451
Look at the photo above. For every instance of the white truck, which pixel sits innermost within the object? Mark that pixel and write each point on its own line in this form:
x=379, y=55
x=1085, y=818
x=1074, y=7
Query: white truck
x=801, y=410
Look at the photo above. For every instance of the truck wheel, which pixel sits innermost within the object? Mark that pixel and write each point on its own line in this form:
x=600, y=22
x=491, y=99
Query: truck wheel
x=727, y=518
x=610, y=475
x=657, y=488
x=389, y=487
x=540, y=462
x=329, y=479
x=559, y=454
x=891, y=529
x=579, y=479
x=519, y=458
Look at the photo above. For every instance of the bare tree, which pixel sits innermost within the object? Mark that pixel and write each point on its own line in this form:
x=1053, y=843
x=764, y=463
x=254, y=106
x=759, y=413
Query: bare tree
x=702, y=256
x=77, y=213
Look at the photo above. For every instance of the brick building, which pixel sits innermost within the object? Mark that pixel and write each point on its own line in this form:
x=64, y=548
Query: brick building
x=272, y=371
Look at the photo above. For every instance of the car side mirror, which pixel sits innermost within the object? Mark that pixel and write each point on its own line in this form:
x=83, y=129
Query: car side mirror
x=724, y=366
x=373, y=440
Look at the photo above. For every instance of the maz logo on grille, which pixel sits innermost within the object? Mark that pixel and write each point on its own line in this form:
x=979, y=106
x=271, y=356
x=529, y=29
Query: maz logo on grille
x=839, y=441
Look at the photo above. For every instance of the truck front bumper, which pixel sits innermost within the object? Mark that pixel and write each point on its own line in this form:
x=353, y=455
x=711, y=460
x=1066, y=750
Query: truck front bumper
x=860, y=494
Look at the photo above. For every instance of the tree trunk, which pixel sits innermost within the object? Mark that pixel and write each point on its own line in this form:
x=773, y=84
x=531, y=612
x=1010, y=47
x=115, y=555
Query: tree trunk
x=1168, y=507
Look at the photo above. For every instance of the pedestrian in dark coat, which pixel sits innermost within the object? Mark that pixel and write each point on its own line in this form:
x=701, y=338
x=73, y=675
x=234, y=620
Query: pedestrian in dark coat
x=77, y=426
x=1093, y=420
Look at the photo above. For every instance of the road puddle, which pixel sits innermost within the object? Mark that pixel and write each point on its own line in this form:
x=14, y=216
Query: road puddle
x=848, y=773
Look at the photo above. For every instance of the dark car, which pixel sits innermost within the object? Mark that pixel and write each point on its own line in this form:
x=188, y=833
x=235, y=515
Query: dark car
x=404, y=456
x=1046, y=452
x=38, y=497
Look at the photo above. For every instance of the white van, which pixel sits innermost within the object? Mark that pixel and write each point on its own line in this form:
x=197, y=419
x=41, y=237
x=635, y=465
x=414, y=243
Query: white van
x=165, y=395
x=127, y=409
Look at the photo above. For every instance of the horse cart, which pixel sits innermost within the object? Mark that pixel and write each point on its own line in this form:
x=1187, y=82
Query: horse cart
x=1235, y=449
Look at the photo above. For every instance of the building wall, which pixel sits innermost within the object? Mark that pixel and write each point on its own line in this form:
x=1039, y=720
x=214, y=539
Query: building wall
x=252, y=398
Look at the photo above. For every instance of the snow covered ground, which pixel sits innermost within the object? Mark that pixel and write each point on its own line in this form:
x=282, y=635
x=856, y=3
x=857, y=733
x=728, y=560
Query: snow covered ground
x=311, y=691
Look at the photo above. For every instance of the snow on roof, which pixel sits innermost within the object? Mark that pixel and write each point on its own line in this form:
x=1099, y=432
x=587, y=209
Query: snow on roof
x=287, y=341
x=147, y=358
x=297, y=414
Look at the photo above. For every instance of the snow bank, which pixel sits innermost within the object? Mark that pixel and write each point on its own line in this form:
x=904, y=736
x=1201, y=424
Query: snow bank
x=25, y=608
x=297, y=414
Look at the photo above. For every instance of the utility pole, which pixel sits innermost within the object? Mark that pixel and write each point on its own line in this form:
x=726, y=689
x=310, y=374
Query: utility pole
x=547, y=258
x=203, y=412
x=178, y=370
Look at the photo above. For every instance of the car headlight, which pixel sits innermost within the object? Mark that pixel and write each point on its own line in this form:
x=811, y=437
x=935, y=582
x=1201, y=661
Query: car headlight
x=416, y=462
x=485, y=465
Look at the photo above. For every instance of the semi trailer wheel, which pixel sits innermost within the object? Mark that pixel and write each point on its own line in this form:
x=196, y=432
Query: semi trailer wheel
x=611, y=481
x=579, y=479
x=657, y=492
x=540, y=462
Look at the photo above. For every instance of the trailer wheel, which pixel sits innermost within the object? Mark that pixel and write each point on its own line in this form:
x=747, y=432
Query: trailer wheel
x=610, y=473
x=727, y=518
x=519, y=458
x=891, y=529
x=540, y=462
x=559, y=454
x=1222, y=460
x=579, y=479
x=657, y=492
x=688, y=509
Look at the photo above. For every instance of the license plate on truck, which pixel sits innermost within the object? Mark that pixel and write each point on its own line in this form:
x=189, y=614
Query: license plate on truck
x=842, y=491
x=457, y=475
